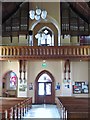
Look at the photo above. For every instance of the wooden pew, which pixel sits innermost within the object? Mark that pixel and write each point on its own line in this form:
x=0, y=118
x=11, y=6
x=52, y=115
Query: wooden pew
x=14, y=107
x=76, y=107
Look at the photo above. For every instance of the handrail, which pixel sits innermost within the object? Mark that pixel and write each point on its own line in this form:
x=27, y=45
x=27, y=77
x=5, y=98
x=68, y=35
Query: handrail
x=59, y=44
x=62, y=110
x=27, y=52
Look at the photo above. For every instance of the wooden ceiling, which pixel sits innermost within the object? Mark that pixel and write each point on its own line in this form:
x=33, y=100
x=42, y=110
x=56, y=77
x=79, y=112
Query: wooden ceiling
x=81, y=8
x=8, y=9
x=15, y=19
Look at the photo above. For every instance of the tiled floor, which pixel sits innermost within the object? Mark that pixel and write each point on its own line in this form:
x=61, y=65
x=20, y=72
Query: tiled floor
x=43, y=111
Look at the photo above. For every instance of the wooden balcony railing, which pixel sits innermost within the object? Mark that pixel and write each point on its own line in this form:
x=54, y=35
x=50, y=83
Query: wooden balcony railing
x=28, y=52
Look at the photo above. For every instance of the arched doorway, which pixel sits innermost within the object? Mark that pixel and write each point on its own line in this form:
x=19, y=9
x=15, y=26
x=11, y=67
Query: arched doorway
x=44, y=88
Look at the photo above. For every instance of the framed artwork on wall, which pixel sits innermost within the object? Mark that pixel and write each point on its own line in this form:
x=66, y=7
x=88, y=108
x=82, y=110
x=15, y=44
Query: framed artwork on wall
x=30, y=86
x=81, y=88
x=57, y=87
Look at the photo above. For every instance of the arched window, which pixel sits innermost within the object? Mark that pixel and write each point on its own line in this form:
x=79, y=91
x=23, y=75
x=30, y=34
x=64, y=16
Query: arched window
x=44, y=85
x=13, y=80
x=45, y=37
x=10, y=79
x=44, y=78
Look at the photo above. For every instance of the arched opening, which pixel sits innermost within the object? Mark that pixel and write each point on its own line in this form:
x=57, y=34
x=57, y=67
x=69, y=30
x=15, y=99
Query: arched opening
x=45, y=37
x=9, y=87
x=50, y=23
x=44, y=88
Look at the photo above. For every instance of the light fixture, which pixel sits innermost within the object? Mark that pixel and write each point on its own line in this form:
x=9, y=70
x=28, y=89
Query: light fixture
x=37, y=14
x=44, y=14
x=38, y=11
x=32, y=14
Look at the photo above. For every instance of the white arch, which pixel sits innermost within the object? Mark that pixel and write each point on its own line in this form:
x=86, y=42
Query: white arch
x=47, y=28
x=48, y=19
x=52, y=36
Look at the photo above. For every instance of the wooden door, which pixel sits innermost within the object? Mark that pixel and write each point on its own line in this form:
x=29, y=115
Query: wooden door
x=45, y=92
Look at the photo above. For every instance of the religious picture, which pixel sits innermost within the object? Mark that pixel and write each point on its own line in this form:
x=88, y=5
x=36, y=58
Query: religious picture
x=13, y=80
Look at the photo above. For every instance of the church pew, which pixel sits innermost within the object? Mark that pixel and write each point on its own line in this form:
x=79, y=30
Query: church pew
x=22, y=105
x=8, y=103
x=14, y=104
x=75, y=107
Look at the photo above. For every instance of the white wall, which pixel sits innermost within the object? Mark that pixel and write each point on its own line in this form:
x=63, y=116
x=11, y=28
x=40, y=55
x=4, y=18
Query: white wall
x=35, y=67
x=79, y=72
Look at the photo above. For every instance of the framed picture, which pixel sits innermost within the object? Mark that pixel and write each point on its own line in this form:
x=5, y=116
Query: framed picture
x=58, y=86
x=22, y=87
x=80, y=88
x=30, y=86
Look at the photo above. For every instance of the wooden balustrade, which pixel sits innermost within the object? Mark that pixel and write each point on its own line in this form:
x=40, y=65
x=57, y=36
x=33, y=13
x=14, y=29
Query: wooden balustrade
x=26, y=52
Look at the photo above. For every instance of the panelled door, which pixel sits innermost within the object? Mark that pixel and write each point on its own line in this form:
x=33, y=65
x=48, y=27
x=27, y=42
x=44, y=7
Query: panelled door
x=45, y=92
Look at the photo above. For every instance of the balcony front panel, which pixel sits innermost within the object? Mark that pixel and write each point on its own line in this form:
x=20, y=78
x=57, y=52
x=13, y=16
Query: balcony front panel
x=28, y=52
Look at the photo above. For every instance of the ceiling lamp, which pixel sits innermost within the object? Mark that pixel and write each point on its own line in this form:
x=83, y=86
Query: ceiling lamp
x=37, y=17
x=32, y=14
x=38, y=11
x=44, y=14
x=37, y=14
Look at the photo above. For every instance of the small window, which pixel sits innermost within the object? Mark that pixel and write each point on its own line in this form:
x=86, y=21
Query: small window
x=44, y=78
x=48, y=88
x=45, y=37
x=41, y=89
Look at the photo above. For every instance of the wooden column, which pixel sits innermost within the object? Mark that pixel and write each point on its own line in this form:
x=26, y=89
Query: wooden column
x=24, y=71
x=20, y=70
x=67, y=69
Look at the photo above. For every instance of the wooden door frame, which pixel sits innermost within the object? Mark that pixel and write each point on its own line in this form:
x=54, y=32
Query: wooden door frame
x=36, y=84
